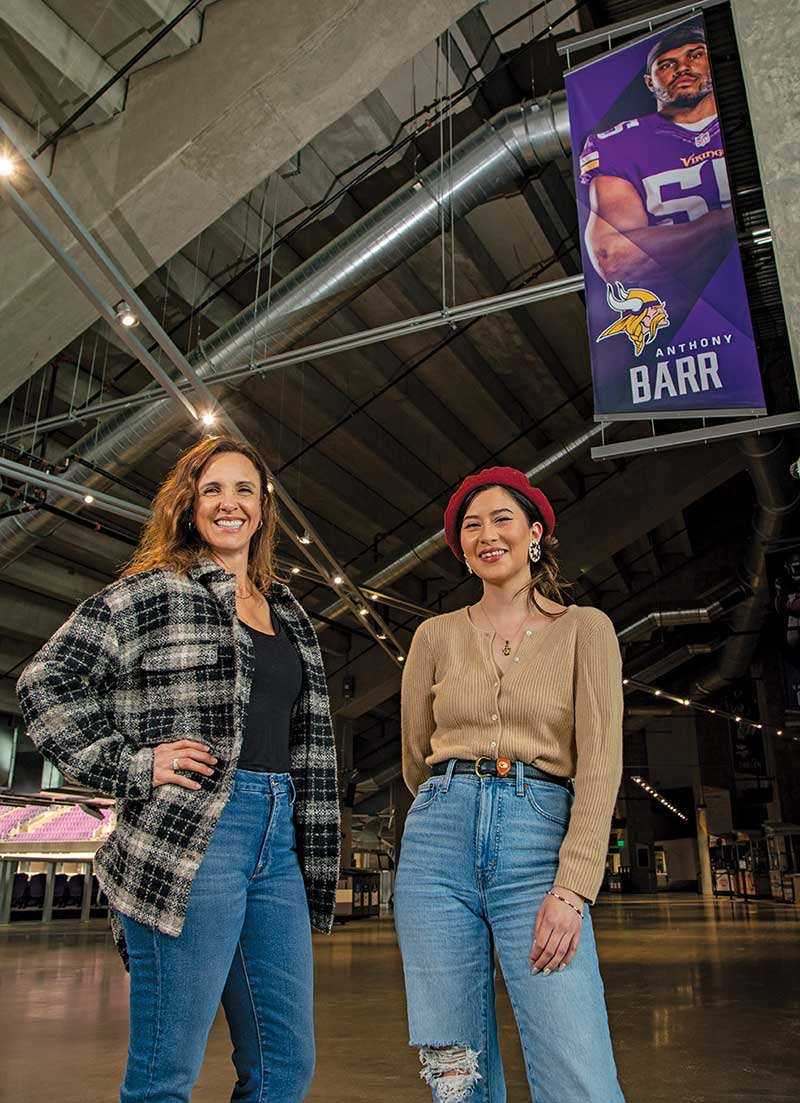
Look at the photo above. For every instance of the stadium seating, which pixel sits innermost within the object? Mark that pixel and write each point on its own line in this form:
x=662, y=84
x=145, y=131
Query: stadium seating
x=20, y=893
x=59, y=823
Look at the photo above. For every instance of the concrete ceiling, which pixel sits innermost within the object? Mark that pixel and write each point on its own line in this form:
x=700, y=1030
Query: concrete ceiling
x=231, y=137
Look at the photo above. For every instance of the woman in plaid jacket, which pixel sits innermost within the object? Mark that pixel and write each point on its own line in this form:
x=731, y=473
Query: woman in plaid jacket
x=157, y=691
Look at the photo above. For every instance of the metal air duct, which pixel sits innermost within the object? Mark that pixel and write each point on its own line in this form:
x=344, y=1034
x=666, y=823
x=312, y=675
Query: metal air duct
x=484, y=165
x=644, y=627
x=777, y=494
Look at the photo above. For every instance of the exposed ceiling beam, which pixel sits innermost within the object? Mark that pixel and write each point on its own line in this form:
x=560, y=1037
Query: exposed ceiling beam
x=56, y=42
x=48, y=579
x=28, y=616
x=259, y=90
x=155, y=12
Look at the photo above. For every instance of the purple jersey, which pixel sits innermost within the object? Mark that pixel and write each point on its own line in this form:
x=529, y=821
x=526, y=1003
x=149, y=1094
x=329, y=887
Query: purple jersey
x=680, y=174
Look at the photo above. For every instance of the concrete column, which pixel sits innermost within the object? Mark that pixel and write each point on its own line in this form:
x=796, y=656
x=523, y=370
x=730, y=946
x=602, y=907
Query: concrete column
x=706, y=888
x=769, y=690
x=768, y=33
x=86, y=899
x=6, y=888
x=49, y=890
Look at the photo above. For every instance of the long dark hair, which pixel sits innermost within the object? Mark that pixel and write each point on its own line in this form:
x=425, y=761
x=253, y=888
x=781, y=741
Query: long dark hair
x=170, y=539
x=546, y=577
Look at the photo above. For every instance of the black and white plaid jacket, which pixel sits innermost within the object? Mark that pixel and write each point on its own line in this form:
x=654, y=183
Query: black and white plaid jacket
x=157, y=657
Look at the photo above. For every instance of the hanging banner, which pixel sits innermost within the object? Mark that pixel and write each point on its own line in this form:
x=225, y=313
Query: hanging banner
x=669, y=324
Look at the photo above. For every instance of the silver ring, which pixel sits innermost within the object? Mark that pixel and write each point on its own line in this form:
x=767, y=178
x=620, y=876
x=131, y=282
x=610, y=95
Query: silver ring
x=175, y=765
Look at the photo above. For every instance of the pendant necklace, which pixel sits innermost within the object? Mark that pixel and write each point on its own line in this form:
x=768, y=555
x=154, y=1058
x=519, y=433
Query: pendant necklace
x=507, y=644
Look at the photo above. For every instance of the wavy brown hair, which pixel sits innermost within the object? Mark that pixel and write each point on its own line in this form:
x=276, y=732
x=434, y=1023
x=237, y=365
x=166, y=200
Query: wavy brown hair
x=171, y=541
x=546, y=576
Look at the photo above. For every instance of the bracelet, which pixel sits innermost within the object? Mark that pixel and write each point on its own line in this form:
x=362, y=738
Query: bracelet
x=578, y=911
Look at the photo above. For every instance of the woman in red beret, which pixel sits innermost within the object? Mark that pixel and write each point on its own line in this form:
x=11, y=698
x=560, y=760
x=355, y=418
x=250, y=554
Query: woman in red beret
x=512, y=743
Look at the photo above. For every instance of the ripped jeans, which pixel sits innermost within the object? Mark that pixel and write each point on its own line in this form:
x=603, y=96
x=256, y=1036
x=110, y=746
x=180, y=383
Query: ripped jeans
x=246, y=941
x=477, y=857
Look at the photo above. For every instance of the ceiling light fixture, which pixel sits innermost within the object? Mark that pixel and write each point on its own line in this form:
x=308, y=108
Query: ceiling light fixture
x=295, y=570
x=338, y=580
x=207, y=419
x=125, y=316
x=88, y=498
x=304, y=539
x=6, y=166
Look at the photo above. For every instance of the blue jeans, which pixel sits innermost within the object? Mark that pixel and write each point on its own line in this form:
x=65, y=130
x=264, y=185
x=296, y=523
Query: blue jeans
x=247, y=941
x=477, y=857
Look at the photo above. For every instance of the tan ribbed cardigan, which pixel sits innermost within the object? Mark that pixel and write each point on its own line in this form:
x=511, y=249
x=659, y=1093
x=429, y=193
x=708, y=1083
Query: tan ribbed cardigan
x=558, y=707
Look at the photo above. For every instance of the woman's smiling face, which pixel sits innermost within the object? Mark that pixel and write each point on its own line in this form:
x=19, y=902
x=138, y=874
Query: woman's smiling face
x=496, y=535
x=227, y=508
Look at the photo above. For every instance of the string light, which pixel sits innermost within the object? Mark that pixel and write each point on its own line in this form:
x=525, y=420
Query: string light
x=381, y=635
x=304, y=539
x=338, y=580
x=207, y=419
x=295, y=570
x=401, y=658
x=363, y=611
x=6, y=166
x=88, y=498
x=659, y=797
x=633, y=685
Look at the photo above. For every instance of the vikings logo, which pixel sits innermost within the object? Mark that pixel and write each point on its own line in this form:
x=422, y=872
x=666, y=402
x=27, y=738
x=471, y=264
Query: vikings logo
x=641, y=315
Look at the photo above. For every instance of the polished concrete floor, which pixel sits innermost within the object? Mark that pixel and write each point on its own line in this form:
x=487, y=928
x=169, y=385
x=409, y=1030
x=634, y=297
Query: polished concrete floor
x=704, y=1003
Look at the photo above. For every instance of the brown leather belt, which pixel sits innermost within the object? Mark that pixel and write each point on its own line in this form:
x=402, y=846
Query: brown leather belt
x=499, y=767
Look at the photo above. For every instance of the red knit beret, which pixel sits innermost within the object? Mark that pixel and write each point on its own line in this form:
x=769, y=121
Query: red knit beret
x=494, y=476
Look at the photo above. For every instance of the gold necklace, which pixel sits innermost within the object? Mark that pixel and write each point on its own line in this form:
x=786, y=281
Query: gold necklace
x=507, y=644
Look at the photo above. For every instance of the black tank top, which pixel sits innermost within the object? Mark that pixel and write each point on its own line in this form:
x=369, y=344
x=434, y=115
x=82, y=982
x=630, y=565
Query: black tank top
x=277, y=681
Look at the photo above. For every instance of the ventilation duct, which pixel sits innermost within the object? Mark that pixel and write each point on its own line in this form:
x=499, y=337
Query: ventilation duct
x=777, y=494
x=644, y=627
x=496, y=157
x=658, y=668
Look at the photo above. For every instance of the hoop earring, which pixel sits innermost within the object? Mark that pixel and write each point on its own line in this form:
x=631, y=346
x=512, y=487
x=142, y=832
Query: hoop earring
x=534, y=551
x=258, y=526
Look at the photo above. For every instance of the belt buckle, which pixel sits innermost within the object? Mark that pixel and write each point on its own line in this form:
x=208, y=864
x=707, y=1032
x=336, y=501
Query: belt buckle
x=478, y=762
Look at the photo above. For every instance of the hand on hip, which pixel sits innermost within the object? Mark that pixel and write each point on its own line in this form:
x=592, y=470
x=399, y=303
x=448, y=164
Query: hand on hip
x=186, y=756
